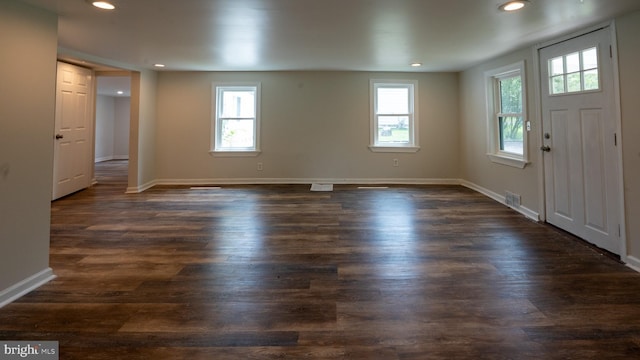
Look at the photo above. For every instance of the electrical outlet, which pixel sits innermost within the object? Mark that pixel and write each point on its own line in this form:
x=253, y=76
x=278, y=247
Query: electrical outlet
x=259, y=167
x=396, y=163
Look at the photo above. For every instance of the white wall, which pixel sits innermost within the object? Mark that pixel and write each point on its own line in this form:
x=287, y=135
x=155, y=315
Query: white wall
x=121, y=126
x=476, y=167
x=105, y=118
x=628, y=28
x=315, y=125
x=112, y=127
x=143, y=146
x=27, y=98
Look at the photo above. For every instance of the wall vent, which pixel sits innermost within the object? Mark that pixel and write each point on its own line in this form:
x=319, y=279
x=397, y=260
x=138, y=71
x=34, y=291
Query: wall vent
x=512, y=200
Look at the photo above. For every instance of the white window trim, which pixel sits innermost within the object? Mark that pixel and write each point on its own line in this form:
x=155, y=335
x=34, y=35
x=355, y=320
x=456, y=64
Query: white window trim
x=226, y=152
x=413, y=145
x=493, y=132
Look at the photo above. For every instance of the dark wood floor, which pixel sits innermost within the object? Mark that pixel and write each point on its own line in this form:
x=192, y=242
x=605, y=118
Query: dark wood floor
x=279, y=272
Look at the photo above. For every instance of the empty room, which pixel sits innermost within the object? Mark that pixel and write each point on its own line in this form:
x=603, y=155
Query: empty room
x=269, y=179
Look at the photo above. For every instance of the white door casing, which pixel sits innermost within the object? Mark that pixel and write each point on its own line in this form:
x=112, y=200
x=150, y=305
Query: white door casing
x=580, y=158
x=73, y=130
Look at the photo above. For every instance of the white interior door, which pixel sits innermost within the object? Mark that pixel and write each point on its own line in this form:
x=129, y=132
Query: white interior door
x=579, y=130
x=73, y=130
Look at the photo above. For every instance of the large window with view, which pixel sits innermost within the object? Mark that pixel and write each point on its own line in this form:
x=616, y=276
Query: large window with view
x=506, y=108
x=509, y=113
x=393, y=115
x=236, y=125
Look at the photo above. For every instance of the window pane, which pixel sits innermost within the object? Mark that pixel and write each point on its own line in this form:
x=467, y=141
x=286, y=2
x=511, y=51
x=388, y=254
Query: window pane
x=238, y=104
x=393, y=129
x=573, y=82
x=573, y=62
x=237, y=134
x=557, y=84
x=556, y=66
x=393, y=100
x=511, y=134
x=511, y=95
x=591, y=80
x=590, y=59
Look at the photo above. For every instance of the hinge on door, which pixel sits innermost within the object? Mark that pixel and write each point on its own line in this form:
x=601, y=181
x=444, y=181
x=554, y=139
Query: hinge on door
x=619, y=231
x=615, y=139
x=610, y=51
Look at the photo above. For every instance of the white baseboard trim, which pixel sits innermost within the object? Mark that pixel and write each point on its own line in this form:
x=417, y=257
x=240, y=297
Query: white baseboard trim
x=280, y=181
x=388, y=181
x=632, y=262
x=25, y=286
x=112, y=157
x=141, y=188
x=103, y=158
x=499, y=198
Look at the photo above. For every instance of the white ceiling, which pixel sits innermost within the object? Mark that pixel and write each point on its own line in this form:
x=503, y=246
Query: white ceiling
x=368, y=35
x=113, y=85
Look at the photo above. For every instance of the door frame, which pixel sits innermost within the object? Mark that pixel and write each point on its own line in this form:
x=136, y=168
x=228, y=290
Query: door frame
x=115, y=73
x=617, y=118
x=99, y=65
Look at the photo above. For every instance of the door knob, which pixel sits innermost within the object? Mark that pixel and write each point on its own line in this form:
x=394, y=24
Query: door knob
x=59, y=136
x=545, y=148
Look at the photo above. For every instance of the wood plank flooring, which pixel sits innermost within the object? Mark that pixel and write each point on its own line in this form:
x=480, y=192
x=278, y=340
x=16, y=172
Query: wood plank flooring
x=279, y=272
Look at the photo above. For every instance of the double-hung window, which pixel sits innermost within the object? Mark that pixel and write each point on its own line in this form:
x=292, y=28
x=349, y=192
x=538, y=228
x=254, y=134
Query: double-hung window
x=237, y=118
x=506, y=109
x=393, y=115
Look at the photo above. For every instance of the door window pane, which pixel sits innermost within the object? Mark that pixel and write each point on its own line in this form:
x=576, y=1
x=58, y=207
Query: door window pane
x=573, y=62
x=590, y=58
x=574, y=72
x=574, y=82
x=557, y=84
x=591, y=80
x=556, y=66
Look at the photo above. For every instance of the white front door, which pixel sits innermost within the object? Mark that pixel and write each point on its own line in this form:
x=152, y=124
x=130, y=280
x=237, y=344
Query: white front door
x=579, y=130
x=73, y=130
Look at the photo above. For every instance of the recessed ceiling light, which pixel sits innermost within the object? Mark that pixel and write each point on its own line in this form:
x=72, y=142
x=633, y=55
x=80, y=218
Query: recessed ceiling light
x=119, y=92
x=513, y=5
x=158, y=65
x=105, y=5
x=416, y=64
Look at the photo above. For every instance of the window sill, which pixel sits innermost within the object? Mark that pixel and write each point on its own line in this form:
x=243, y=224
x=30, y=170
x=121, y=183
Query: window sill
x=226, y=153
x=394, y=149
x=516, y=162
